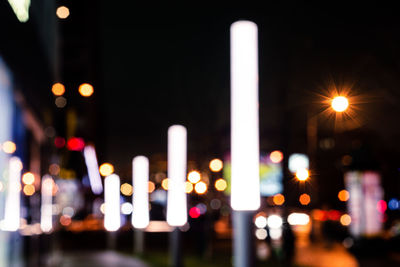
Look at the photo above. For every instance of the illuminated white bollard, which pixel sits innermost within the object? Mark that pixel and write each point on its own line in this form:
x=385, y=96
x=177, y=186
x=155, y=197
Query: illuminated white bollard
x=245, y=186
x=176, y=206
x=11, y=220
x=140, y=201
x=46, y=209
x=93, y=169
x=112, y=219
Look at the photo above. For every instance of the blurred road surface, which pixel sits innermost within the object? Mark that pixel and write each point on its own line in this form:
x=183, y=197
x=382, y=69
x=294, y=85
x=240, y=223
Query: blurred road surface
x=317, y=255
x=94, y=259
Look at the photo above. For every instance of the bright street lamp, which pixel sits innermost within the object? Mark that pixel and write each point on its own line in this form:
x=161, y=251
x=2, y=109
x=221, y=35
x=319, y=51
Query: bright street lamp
x=340, y=103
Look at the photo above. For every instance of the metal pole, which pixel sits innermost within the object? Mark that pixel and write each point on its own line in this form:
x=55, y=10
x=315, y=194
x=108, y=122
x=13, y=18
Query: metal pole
x=243, y=239
x=112, y=240
x=175, y=248
x=139, y=241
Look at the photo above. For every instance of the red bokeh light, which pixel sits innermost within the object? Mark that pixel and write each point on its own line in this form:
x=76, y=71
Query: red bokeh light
x=334, y=215
x=75, y=144
x=381, y=206
x=59, y=142
x=194, y=212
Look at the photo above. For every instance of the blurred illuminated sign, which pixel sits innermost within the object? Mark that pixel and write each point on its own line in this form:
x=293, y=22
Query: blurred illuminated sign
x=270, y=175
x=297, y=162
x=21, y=9
x=365, y=202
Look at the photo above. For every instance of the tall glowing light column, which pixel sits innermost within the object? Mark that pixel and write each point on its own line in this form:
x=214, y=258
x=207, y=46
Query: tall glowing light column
x=140, y=216
x=12, y=206
x=112, y=219
x=176, y=206
x=245, y=155
x=46, y=210
x=244, y=117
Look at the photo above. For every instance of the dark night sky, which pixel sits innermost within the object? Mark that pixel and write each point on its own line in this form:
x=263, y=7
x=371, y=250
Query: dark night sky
x=166, y=66
x=154, y=67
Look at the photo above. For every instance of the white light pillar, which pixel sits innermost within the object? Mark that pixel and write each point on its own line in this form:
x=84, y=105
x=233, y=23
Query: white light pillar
x=176, y=206
x=46, y=209
x=245, y=154
x=140, y=201
x=92, y=165
x=112, y=219
x=11, y=220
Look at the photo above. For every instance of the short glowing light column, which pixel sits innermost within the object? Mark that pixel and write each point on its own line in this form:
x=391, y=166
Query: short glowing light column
x=89, y=153
x=12, y=206
x=140, y=216
x=140, y=200
x=176, y=206
x=112, y=219
x=46, y=210
x=245, y=154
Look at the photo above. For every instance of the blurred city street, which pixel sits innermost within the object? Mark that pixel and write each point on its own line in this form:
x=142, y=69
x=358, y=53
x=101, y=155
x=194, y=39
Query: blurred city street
x=159, y=136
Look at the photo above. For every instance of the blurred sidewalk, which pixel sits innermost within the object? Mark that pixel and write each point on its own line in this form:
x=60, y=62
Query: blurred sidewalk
x=94, y=259
x=318, y=255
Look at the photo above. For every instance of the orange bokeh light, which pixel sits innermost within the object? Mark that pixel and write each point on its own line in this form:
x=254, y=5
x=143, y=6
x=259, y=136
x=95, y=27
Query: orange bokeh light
x=188, y=187
x=220, y=184
x=152, y=186
x=86, y=89
x=276, y=156
x=345, y=220
x=29, y=189
x=164, y=184
x=28, y=178
x=216, y=165
x=65, y=220
x=58, y=89
x=304, y=199
x=343, y=195
x=9, y=147
x=279, y=199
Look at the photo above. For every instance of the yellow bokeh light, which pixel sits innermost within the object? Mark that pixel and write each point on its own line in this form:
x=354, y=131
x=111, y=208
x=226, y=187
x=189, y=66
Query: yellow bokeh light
x=62, y=12
x=188, y=187
x=220, y=184
x=200, y=188
x=28, y=178
x=29, y=189
x=343, y=195
x=278, y=199
x=58, y=89
x=345, y=219
x=164, y=184
x=216, y=165
x=340, y=103
x=9, y=147
x=302, y=174
x=126, y=189
x=194, y=177
x=106, y=169
x=276, y=156
x=86, y=89
x=103, y=207
x=152, y=186
x=304, y=199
